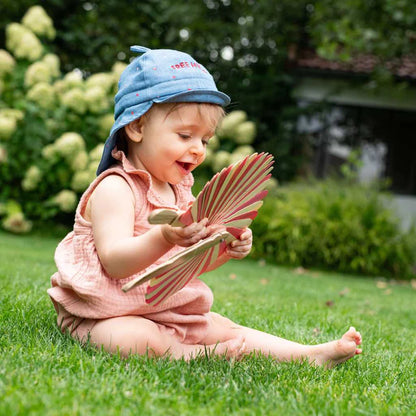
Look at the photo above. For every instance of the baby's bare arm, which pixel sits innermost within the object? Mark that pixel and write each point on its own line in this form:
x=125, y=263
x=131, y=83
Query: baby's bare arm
x=121, y=253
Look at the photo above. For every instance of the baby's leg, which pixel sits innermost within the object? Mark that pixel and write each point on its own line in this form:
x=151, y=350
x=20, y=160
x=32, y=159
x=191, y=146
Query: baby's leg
x=328, y=354
x=137, y=335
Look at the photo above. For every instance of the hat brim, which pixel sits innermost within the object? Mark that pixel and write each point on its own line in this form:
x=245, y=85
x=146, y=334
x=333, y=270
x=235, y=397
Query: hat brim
x=197, y=96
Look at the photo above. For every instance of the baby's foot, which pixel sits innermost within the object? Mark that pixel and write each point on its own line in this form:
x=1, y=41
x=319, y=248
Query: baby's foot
x=336, y=352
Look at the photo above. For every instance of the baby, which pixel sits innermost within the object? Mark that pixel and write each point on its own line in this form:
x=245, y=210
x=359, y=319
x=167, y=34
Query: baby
x=166, y=110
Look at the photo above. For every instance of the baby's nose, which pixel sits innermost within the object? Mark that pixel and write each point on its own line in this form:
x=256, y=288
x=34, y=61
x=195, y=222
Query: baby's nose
x=198, y=148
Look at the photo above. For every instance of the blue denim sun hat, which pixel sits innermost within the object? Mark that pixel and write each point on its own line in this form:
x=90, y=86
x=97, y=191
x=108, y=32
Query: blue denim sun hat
x=158, y=76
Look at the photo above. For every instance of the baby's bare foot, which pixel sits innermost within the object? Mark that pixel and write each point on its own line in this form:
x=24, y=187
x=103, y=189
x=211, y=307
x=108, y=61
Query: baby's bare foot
x=336, y=352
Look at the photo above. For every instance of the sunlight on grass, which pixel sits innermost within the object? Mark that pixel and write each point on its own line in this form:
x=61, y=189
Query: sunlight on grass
x=43, y=372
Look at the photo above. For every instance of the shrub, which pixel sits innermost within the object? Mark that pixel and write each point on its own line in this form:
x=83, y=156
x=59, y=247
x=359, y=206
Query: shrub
x=52, y=126
x=335, y=226
x=231, y=143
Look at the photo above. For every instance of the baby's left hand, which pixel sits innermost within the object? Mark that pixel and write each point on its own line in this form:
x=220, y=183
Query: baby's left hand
x=238, y=249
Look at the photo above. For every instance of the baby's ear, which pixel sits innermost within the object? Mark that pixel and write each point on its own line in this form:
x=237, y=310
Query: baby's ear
x=134, y=130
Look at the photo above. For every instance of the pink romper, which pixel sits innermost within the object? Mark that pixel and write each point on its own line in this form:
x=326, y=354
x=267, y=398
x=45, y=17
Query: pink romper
x=83, y=293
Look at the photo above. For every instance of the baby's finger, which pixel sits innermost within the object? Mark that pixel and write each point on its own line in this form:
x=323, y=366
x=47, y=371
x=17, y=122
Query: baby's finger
x=246, y=235
x=240, y=243
x=214, y=228
x=194, y=228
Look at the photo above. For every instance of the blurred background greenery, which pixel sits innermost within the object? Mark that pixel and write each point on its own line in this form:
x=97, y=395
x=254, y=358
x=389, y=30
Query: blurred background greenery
x=310, y=81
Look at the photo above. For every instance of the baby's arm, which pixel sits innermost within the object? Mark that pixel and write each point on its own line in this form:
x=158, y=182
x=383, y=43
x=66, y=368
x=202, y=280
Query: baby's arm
x=112, y=216
x=237, y=249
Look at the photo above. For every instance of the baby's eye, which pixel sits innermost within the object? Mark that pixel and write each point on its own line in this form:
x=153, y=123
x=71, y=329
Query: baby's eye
x=184, y=136
x=205, y=142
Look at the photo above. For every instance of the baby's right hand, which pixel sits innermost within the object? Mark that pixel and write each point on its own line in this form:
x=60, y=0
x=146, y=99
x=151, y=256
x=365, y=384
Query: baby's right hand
x=185, y=236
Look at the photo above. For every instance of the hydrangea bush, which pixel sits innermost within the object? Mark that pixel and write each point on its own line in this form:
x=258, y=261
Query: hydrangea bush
x=52, y=126
x=232, y=142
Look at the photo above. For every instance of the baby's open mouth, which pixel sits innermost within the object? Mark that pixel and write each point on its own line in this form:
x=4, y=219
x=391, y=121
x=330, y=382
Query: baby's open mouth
x=185, y=165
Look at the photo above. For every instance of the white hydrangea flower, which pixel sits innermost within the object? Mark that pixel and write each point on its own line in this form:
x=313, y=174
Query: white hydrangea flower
x=81, y=180
x=221, y=160
x=3, y=154
x=272, y=184
x=73, y=79
x=96, y=153
x=245, y=133
x=43, y=94
x=7, y=62
x=52, y=124
x=117, y=69
x=80, y=161
x=66, y=200
x=32, y=178
x=60, y=86
x=104, y=80
x=70, y=81
x=209, y=156
x=96, y=99
x=17, y=223
x=214, y=142
x=243, y=150
x=92, y=168
x=50, y=153
x=235, y=157
x=69, y=144
x=52, y=61
x=23, y=43
x=230, y=122
x=37, y=20
x=104, y=125
x=74, y=100
x=37, y=72
x=14, y=34
x=13, y=113
x=7, y=127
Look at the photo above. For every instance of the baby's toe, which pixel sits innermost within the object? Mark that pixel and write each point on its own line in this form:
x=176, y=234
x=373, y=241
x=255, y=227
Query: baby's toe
x=350, y=334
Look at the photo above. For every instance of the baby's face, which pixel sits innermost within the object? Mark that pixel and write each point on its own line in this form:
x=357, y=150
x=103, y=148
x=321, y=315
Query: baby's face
x=174, y=139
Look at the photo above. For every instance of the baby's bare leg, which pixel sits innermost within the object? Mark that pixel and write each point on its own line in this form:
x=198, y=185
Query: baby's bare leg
x=328, y=354
x=137, y=335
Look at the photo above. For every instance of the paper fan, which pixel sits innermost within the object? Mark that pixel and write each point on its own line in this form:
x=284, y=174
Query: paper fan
x=231, y=199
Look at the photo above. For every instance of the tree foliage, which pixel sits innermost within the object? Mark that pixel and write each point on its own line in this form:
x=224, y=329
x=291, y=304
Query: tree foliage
x=384, y=28
x=244, y=43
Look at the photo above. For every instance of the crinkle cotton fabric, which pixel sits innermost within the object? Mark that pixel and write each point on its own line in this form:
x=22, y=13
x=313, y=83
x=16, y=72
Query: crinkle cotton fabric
x=82, y=287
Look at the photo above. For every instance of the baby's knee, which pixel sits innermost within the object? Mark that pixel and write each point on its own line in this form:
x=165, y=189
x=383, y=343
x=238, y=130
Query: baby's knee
x=129, y=335
x=222, y=321
x=145, y=339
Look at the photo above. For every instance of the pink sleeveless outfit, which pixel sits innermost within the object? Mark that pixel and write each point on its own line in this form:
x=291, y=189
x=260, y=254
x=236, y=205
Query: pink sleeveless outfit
x=83, y=293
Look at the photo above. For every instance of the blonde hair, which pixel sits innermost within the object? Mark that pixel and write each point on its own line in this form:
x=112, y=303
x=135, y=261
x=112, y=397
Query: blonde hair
x=212, y=114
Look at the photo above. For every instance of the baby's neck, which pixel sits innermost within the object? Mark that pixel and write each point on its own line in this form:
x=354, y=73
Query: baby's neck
x=165, y=192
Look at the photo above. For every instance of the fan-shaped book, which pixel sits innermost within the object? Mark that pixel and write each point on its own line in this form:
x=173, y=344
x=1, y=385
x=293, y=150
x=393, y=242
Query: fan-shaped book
x=231, y=200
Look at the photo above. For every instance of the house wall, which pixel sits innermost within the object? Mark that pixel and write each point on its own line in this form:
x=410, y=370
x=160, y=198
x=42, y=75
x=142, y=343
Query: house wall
x=382, y=125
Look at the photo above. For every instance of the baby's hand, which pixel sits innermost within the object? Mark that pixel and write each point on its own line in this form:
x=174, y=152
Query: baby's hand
x=240, y=248
x=185, y=236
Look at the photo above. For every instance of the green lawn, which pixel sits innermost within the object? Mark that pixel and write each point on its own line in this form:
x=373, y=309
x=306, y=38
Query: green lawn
x=43, y=372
